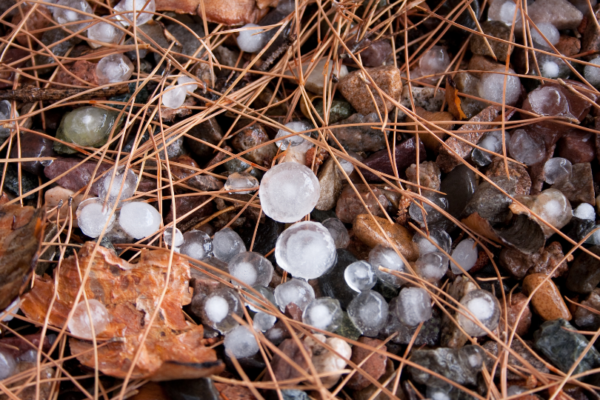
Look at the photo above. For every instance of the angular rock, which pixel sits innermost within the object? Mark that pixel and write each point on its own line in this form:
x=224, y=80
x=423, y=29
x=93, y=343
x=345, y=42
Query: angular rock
x=349, y=205
x=588, y=317
x=189, y=176
x=591, y=35
x=34, y=146
x=580, y=188
x=282, y=369
x=584, y=274
x=366, y=229
x=253, y=138
x=519, y=308
x=354, y=89
x=206, y=132
x=427, y=98
x=338, y=111
x=497, y=168
x=519, y=264
x=577, y=147
x=80, y=173
x=568, y=45
x=186, y=204
x=429, y=175
x=217, y=11
x=547, y=300
x=373, y=366
x=359, y=137
x=496, y=29
x=331, y=186
x=519, y=348
x=84, y=70
x=438, y=121
x=405, y=155
x=560, y=13
x=491, y=204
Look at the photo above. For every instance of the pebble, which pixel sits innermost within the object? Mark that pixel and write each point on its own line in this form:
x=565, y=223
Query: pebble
x=517, y=347
x=331, y=185
x=585, y=318
x=429, y=214
x=577, y=147
x=354, y=90
x=359, y=137
x=369, y=312
x=584, y=274
x=32, y=146
x=349, y=205
x=374, y=365
x=405, y=155
x=498, y=29
x=560, y=13
x=547, y=301
x=327, y=361
x=519, y=308
x=252, y=138
x=580, y=188
x=314, y=80
x=459, y=186
x=367, y=230
x=85, y=126
x=544, y=261
x=429, y=175
x=142, y=11
x=283, y=370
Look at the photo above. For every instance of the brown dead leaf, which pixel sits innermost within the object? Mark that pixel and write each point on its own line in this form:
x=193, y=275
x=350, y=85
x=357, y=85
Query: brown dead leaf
x=453, y=99
x=173, y=348
x=228, y=12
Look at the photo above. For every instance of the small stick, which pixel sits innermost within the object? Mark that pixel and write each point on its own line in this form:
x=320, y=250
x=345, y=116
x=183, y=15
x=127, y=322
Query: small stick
x=33, y=94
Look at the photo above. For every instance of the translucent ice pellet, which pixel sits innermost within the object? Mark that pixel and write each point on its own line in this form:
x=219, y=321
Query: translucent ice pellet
x=80, y=325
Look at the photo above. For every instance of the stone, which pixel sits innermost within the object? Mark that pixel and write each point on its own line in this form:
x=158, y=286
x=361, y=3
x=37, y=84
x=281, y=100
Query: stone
x=282, y=369
x=373, y=366
x=35, y=23
x=349, y=205
x=189, y=176
x=326, y=361
x=590, y=41
x=78, y=174
x=518, y=314
x=185, y=31
x=519, y=348
x=446, y=160
x=588, y=318
x=188, y=389
x=354, y=89
x=459, y=186
x=253, y=138
x=33, y=145
x=438, y=120
x=547, y=300
x=496, y=29
x=580, y=188
x=545, y=261
x=314, y=80
x=372, y=53
x=584, y=274
x=498, y=168
x=560, y=13
x=577, y=147
x=359, y=137
x=429, y=175
x=405, y=155
x=198, y=207
x=85, y=126
x=568, y=45
x=551, y=205
x=338, y=111
x=366, y=229
x=331, y=186
x=489, y=203
x=333, y=284
x=427, y=98
x=558, y=341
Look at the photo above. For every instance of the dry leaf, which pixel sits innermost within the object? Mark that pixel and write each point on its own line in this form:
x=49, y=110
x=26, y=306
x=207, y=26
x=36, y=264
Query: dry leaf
x=228, y=12
x=453, y=100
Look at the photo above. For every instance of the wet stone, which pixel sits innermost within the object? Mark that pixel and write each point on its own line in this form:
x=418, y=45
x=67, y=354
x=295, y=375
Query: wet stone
x=577, y=147
x=339, y=110
x=362, y=137
x=489, y=203
x=405, y=155
x=518, y=348
x=586, y=318
x=496, y=29
x=331, y=185
x=366, y=228
x=199, y=206
x=373, y=366
x=429, y=175
x=545, y=261
x=355, y=91
x=27, y=183
x=33, y=146
x=349, y=205
x=580, y=188
x=252, y=138
x=190, y=176
x=208, y=131
x=347, y=328
x=498, y=168
x=558, y=341
x=560, y=13
x=459, y=186
x=519, y=308
x=584, y=274
x=547, y=301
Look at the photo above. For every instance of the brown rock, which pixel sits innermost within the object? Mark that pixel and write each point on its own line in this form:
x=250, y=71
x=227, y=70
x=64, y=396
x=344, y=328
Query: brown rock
x=497, y=168
x=429, y=175
x=331, y=186
x=193, y=204
x=294, y=312
x=219, y=157
x=496, y=29
x=568, y=45
x=188, y=176
x=39, y=19
x=577, y=147
x=588, y=316
x=79, y=174
x=227, y=12
x=471, y=133
x=84, y=70
x=233, y=392
x=367, y=230
x=580, y=188
x=15, y=58
x=518, y=304
x=284, y=370
x=374, y=365
x=253, y=137
x=544, y=262
x=442, y=119
x=591, y=36
x=33, y=145
x=358, y=137
x=547, y=300
x=482, y=63
x=406, y=154
x=205, y=133
x=354, y=89
x=349, y=205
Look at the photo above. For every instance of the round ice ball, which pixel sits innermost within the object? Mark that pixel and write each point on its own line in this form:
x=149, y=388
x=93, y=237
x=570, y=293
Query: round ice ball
x=227, y=244
x=305, y=250
x=295, y=291
x=8, y=365
x=484, y=307
x=494, y=84
x=115, y=68
x=324, y=313
x=251, y=38
x=139, y=219
x=360, y=276
x=196, y=244
x=251, y=269
x=288, y=192
x=592, y=72
x=93, y=217
x=218, y=308
x=80, y=325
x=240, y=343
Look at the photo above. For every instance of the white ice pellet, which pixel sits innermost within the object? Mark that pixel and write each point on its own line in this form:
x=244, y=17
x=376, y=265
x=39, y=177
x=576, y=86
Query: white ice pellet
x=105, y=33
x=80, y=325
x=294, y=126
x=360, y=276
x=548, y=100
x=124, y=182
x=251, y=268
x=143, y=11
x=434, y=61
x=251, y=38
x=8, y=365
x=288, y=192
x=432, y=266
x=550, y=70
x=295, y=291
x=592, y=72
x=305, y=250
x=10, y=311
x=66, y=16
x=241, y=183
x=526, y=148
x=386, y=257
x=263, y=321
x=549, y=31
x=557, y=169
x=188, y=83
x=369, y=312
x=437, y=236
x=493, y=84
x=227, y=244
x=338, y=232
x=465, y=254
x=196, y=244
x=93, y=217
x=346, y=165
x=484, y=307
x=218, y=308
x=115, y=68
x=503, y=11
x=413, y=306
x=174, y=96
x=240, y=343
x=585, y=211
x=168, y=238
x=323, y=313
x=139, y=219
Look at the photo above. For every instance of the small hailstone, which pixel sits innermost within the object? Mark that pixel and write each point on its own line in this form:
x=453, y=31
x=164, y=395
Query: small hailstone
x=265, y=295
x=324, y=313
x=548, y=100
x=484, y=307
x=305, y=250
x=595, y=237
x=143, y=8
x=168, y=237
x=585, y=211
x=188, y=83
x=196, y=244
x=432, y=266
x=369, y=312
x=526, y=148
x=29, y=356
x=437, y=236
x=8, y=365
x=174, y=96
x=432, y=215
x=436, y=393
x=227, y=243
x=139, y=219
x=549, y=31
x=93, y=216
x=360, y=276
x=124, y=181
x=493, y=84
x=251, y=40
x=346, y=165
x=297, y=154
x=491, y=141
x=503, y=11
x=240, y=342
x=413, y=306
x=240, y=183
x=465, y=254
x=218, y=308
x=105, y=33
x=386, y=257
x=434, y=61
x=263, y=321
x=592, y=72
x=80, y=325
x=115, y=68
x=295, y=291
x=338, y=232
x=6, y=114
x=294, y=126
x=67, y=16
x=288, y=192
x=550, y=69
x=557, y=169
x=11, y=310
x=251, y=269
